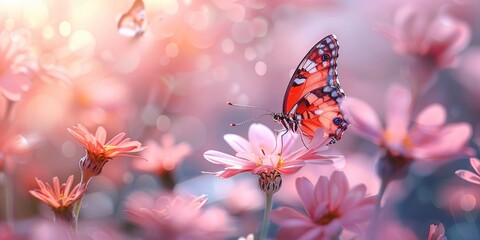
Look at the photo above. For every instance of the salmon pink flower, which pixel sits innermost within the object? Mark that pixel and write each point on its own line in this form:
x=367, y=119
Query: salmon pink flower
x=470, y=176
x=428, y=139
x=162, y=158
x=61, y=198
x=265, y=152
x=98, y=153
x=331, y=206
x=437, y=232
x=175, y=217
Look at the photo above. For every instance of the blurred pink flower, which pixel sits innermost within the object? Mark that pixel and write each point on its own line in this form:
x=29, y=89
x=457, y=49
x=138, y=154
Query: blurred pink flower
x=470, y=176
x=263, y=152
x=60, y=198
x=437, y=232
x=428, y=139
x=331, y=206
x=432, y=36
x=18, y=67
x=164, y=157
x=175, y=217
x=14, y=58
x=99, y=152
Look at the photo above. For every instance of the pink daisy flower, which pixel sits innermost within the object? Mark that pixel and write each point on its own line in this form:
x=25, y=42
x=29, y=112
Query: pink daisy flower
x=428, y=139
x=99, y=152
x=269, y=156
x=175, y=217
x=61, y=198
x=431, y=36
x=471, y=176
x=331, y=206
x=262, y=152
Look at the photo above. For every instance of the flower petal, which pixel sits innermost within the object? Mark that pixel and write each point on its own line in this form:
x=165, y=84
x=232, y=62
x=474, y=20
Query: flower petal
x=432, y=115
x=238, y=143
x=397, y=114
x=305, y=192
x=261, y=139
x=468, y=176
x=363, y=118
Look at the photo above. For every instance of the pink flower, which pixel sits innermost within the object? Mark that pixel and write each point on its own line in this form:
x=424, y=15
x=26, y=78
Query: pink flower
x=14, y=57
x=60, y=198
x=174, y=217
x=331, y=206
x=263, y=152
x=164, y=157
x=432, y=36
x=427, y=139
x=470, y=176
x=437, y=232
x=99, y=152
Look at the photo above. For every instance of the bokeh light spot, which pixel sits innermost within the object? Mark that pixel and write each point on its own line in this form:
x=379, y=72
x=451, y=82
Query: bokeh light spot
x=172, y=50
x=228, y=45
x=68, y=149
x=82, y=42
x=65, y=28
x=250, y=54
x=35, y=13
x=468, y=202
x=261, y=68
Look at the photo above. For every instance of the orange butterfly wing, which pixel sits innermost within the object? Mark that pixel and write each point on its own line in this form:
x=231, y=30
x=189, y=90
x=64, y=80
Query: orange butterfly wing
x=314, y=94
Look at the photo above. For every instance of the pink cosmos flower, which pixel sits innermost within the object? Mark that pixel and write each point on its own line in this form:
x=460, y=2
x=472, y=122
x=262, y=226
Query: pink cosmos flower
x=164, y=157
x=175, y=217
x=60, y=198
x=470, y=176
x=429, y=138
x=99, y=152
x=263, y=152
x=432, y=36
x=437, y=232
x=331, y=206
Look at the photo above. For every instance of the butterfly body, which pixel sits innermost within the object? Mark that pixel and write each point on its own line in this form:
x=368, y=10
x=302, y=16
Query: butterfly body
x=313, y=96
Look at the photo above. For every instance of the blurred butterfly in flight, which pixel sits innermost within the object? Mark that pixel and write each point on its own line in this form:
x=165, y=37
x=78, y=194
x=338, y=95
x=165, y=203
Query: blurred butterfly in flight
x=313, y=96
x=132, y=23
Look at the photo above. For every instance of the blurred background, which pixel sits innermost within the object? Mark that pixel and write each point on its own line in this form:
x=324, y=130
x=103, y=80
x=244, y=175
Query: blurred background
x=172, y=75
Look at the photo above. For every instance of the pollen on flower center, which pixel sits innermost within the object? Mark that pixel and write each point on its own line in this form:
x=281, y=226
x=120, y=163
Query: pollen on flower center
x=109, y=147
x=326, y=219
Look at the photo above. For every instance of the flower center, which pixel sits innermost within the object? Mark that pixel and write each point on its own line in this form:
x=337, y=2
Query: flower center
x=326, y=219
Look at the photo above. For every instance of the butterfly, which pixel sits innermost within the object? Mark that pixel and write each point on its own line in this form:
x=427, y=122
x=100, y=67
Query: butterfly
x=132, y=23
x=313, y=96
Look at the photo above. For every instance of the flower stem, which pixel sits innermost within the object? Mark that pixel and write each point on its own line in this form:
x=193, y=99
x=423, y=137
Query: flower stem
x=266, y=215
x=78, y=205
x=168, y=180
x=9, y=191
x=381, y=192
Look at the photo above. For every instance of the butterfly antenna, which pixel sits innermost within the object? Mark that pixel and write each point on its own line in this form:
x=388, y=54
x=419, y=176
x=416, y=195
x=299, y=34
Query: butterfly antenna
x=251, y=107
x=249, y=120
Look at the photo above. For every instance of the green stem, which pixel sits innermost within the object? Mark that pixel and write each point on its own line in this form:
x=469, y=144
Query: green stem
x=266, y=215
x=78, y=205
